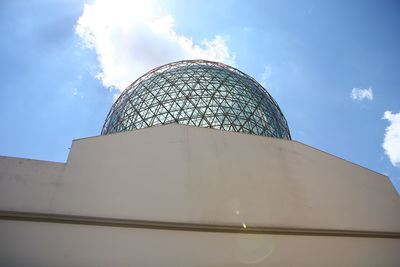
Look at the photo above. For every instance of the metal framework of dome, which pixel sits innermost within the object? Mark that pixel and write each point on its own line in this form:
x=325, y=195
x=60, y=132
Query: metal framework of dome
x=199, y=93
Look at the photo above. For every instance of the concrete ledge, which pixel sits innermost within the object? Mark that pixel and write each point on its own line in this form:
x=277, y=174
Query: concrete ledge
x=116, y=222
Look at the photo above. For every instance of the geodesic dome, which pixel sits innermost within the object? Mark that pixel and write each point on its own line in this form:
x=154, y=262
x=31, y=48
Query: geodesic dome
x=199, y=93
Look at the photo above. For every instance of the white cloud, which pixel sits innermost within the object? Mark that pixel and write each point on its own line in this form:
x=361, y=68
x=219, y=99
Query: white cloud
x=391, y=143
x=132, y=37
x=360, y=94
x=266, y=74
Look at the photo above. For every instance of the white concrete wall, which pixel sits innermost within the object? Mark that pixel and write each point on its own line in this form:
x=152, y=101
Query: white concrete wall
x=178, y=173
x=42, y=244
x=188, y=174
x=28, y=185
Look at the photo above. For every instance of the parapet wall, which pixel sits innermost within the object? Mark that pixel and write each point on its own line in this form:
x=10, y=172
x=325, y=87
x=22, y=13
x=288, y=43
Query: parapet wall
x=233, y=197
x=186, y=174
x=28, y=185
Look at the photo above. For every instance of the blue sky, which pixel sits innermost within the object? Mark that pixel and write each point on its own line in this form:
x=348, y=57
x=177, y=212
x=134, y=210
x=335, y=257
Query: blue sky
x=332, y=66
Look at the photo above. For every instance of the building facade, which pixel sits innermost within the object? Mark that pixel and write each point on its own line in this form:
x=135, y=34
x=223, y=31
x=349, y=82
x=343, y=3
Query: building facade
x=175, y=194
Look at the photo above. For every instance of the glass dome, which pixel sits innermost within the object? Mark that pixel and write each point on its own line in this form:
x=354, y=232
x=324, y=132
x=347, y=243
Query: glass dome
x=199, y=93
